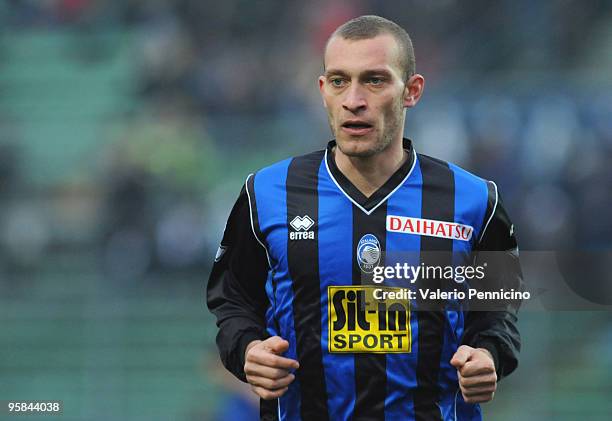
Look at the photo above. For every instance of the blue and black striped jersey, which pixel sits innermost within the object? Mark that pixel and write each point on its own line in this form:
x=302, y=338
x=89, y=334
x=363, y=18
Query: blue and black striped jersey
x=296, y=261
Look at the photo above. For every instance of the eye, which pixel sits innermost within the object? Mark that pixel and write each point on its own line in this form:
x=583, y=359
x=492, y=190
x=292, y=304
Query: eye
x=337, y=82
x=375, y=81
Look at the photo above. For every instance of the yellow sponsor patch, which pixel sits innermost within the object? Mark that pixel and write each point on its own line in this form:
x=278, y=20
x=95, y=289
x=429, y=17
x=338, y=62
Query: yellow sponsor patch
x=358, y=322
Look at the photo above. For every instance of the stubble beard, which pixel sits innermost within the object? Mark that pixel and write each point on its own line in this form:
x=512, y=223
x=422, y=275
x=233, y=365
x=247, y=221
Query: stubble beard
x=393, y=126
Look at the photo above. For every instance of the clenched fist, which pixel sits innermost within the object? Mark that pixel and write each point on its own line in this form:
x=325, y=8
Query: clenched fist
x=266, y=371
x=476, y=371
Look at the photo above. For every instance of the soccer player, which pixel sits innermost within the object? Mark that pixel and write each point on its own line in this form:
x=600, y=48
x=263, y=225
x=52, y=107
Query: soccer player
x=292, y=276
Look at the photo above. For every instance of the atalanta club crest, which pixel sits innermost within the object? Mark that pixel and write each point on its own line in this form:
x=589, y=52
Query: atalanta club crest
x=368, y=253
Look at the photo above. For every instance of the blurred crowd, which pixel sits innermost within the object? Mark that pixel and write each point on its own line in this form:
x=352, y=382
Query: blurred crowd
x=518, y=92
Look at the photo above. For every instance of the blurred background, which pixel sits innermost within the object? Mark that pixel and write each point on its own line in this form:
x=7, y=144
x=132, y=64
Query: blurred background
x=126, y=131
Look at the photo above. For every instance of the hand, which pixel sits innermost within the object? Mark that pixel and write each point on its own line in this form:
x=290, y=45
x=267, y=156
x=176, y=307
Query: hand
x=266, y=371
x=476, y=371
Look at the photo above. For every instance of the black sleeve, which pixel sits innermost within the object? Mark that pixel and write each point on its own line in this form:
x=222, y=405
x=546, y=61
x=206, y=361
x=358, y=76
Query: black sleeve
x=493, y=325
x=236, y=288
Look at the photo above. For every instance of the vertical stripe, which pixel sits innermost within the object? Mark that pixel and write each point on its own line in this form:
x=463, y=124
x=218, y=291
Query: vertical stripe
x=303, y=261
x=267, y=409
x=370, y=369
x=471, y=194
x=272, y=222
x=470, y=207
x=438, y=203
x=270, y=286
x=402, y=248
x=335, y=268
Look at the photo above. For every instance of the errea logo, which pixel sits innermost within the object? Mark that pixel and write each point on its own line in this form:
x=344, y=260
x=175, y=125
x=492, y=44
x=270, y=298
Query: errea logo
x=302, y=226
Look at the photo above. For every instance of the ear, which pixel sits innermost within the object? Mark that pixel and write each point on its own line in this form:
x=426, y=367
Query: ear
x=413, y=90
x=322, y=88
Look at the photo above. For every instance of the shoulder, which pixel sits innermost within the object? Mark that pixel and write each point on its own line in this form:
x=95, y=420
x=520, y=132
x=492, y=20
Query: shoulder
x=439, y=164
x=474, y=198
x=463, y=179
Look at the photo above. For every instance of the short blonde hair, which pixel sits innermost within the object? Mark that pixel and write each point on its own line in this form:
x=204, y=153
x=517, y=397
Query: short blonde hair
x=370, y=26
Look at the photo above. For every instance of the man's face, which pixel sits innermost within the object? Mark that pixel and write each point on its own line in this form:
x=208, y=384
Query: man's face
x=364, y=93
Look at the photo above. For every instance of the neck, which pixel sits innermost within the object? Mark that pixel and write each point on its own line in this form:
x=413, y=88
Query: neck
x=369, y=173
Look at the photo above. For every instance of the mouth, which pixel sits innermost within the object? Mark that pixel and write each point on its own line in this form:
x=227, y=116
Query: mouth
x=356, y=127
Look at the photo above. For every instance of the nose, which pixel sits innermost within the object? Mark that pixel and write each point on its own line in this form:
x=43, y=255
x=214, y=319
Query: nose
x=354, y=100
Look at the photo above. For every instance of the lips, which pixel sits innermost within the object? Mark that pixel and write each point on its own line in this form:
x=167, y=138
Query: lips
x=356, y=127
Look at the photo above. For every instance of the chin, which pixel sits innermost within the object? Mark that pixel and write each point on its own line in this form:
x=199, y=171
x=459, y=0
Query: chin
x=357, y=147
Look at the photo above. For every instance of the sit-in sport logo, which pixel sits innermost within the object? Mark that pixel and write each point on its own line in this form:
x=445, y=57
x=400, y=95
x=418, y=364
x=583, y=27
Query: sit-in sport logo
x=302, y=226
x=359, y=322
x=368, y=253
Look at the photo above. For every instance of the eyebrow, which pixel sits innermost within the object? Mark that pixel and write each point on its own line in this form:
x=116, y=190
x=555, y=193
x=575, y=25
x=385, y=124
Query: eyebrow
x=330, y=72
x=366, y=73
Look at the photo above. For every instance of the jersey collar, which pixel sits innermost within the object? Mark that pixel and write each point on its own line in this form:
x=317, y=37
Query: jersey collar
x=369, y=204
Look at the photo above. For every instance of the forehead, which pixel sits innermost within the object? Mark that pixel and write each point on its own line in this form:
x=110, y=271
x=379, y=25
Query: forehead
x=354, y=56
